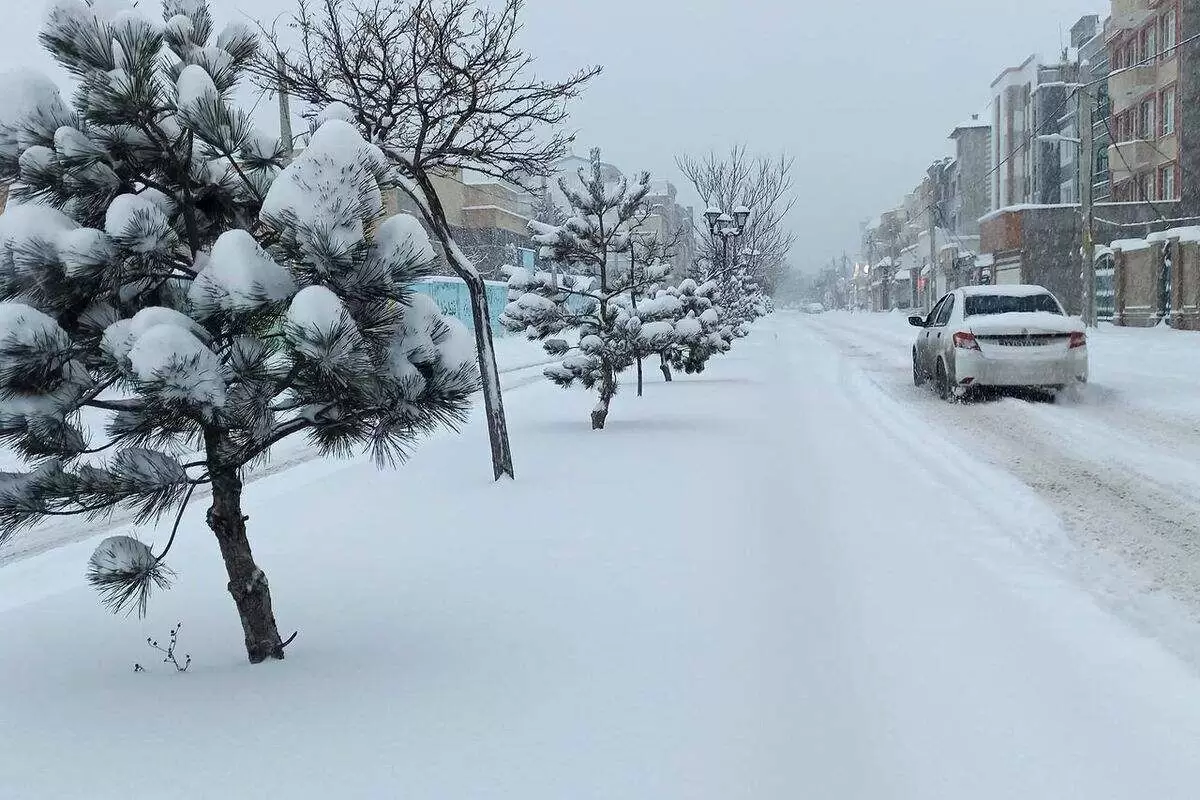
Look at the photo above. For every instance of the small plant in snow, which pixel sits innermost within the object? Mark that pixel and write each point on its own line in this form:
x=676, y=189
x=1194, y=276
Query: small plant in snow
x=158, y=265
x=600, y=243
x=168, y=652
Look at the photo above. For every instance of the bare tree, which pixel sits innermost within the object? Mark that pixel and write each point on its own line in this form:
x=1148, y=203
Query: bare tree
x=762, y=183
x=439, y=85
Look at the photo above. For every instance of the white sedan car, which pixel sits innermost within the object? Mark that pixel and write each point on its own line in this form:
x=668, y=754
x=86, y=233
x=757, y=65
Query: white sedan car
x=999, y=336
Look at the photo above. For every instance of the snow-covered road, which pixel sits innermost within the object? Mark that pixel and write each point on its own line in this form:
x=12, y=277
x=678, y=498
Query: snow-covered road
x=943, y=654
x=1120, y=463
x=791, y=577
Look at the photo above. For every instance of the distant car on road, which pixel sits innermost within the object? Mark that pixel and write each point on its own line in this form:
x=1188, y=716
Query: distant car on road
x=814, y=308
x=999, y=336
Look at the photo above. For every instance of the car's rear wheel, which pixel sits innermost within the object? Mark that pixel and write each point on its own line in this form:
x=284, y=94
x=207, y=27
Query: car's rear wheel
x=942, y=382
x=919, y=378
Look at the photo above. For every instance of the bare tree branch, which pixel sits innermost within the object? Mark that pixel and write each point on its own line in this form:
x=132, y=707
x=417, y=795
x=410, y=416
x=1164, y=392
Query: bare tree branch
x=440, y=86
x=764, y=184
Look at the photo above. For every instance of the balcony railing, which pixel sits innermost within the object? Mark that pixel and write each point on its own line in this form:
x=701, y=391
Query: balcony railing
x=1127, y=159
x=1128, y=15
x=1127, y=86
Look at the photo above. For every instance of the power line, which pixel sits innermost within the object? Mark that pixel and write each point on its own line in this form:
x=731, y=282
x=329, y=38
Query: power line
x=1143, y=62
x=1141, y=188
x=1056, y=115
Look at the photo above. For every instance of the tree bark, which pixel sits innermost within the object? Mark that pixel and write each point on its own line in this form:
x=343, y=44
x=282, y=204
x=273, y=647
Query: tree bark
x=493, y=400
x=665, y=367
x=608, y=388
x=639, y=374
x=247, y=583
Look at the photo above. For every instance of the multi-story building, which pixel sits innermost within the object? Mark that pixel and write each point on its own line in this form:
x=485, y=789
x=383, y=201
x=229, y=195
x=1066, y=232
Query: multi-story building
x=671, y=222
x=568, y=170
x=1012, y=122
x=1088, y=43
x=1053, y=103
x=1154, y=91
x=489, y=218
x=970, y=197
x=1085, y=31
x=1028, y=103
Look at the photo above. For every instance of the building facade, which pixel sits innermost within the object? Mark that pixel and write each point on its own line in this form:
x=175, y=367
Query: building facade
x=1012, y=122
x=1153, y=94
x=969, y=192
x=1087, y=37
x=670, y=221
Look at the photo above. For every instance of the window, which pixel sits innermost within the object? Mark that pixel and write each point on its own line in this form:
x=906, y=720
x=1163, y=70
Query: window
x=1102, y=162
x=981, y=305
x=1103, y=102
x=1168, y=112
x=1147, y=187
x=1166, y=179
x=1146, y=129
x=1167, y=32
x=943, y=316
x=1148, y=42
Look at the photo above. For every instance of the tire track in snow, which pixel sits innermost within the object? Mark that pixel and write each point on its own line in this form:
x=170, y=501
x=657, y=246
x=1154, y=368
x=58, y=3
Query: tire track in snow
x=1117, y=493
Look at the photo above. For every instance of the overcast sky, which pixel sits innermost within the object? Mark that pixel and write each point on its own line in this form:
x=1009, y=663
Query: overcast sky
x=862, y=92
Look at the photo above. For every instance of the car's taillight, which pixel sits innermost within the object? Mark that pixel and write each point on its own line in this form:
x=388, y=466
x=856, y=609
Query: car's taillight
x=1078, y=340
x=965, y=341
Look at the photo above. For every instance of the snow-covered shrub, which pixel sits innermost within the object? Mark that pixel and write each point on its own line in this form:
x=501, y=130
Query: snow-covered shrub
x=602, y=266
x=698, y=329
x=159, y=264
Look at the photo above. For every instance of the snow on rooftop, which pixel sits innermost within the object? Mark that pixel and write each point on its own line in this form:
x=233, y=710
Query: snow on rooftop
x=1025, y=207
x=1130, y=245
x=975, y=122
x=1189, y=233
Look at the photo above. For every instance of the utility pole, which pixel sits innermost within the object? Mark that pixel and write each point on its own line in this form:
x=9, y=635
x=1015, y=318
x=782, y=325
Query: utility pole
x=933, y=253
x=1087, y=176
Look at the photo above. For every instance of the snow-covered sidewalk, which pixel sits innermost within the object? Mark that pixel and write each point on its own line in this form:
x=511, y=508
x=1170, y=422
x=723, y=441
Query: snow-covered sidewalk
x=769, y=582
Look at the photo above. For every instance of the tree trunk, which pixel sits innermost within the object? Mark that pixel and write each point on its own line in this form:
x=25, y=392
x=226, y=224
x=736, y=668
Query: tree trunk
x=665, y=367
x=493, y=400
x=639, y=374
x=608, y=388
x=247, y=583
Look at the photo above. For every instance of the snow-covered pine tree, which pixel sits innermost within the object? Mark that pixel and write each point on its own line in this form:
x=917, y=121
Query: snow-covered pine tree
x=545, y=209
x=698, y=328
x=737, y=299
x=158, y=267
x=659, y=305
x=596, y=243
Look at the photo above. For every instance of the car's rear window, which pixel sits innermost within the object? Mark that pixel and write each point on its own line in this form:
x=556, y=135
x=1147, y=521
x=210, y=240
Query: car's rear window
x=981, y=305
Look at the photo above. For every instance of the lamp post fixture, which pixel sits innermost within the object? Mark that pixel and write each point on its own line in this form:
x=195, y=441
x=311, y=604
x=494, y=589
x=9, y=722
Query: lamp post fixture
x=723, y=226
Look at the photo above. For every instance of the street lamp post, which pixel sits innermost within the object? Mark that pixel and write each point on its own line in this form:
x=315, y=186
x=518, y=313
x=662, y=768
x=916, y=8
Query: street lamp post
x=723, y=226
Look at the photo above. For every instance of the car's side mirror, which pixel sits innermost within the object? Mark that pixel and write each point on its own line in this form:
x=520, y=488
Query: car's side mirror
x=917, y=321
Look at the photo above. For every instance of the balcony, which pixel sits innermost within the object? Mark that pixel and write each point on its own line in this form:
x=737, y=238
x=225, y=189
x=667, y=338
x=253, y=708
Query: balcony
x=1127, y=86
x=1131, y=158
x=1129, y=15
